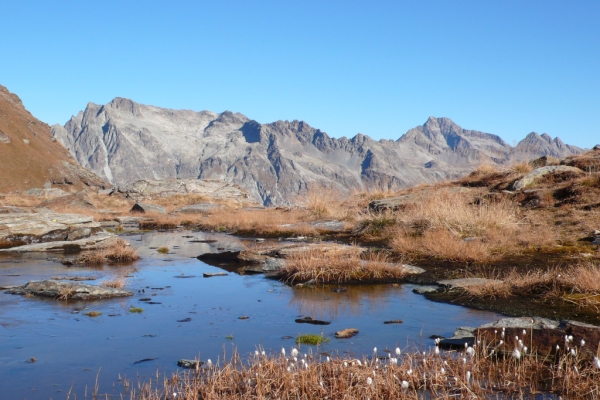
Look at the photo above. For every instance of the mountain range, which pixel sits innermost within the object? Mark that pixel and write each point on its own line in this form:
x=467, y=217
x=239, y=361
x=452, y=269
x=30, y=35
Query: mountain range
x=124, y=141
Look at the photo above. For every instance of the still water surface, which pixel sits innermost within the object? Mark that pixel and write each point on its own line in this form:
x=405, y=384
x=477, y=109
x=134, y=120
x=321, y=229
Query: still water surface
x=70, y=348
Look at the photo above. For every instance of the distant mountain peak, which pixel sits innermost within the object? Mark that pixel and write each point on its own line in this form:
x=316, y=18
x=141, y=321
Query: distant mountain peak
x=276, y=161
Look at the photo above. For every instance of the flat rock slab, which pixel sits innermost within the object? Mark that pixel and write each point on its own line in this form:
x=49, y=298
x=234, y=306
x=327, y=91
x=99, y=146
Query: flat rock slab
x=52, y=192
x=31, y=227
x=466, y=282
x=11, y=210
x=346, y=333
x=201, y=208
x=98, y=241
x=73, y=278
x=539, y=172
x=212, y=274
x=78, y=291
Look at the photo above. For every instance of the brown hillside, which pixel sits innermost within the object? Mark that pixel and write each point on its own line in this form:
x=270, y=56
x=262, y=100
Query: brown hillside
x=30, y=157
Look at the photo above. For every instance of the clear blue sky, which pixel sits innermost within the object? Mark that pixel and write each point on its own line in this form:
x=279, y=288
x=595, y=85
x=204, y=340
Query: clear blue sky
x=374, y=67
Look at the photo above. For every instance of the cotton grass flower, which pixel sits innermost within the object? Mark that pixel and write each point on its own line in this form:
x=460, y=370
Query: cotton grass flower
x=398, y=351
x=582, y=342
x=294, y=352
x=369, y=381
x=516, y=354
x=283, y=351
x=404, y=385
x=470, y=351
x=596, y=362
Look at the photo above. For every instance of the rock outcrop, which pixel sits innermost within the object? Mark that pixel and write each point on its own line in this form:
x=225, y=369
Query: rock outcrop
x=125, y=142
x=68, y=290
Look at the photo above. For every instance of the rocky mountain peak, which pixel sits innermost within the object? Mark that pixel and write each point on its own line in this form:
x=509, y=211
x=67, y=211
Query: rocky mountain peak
x=278, y=161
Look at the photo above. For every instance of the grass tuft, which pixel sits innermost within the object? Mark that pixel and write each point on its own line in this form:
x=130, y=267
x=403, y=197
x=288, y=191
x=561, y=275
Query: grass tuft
x=311, y=339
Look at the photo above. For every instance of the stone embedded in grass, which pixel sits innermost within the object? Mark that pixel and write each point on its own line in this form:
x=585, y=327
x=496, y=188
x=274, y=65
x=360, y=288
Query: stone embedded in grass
x=346, y=333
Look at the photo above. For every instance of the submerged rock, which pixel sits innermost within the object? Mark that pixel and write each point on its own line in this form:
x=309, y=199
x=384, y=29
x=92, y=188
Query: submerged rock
x=346, y=333
x=310, y=320
x=68, y=290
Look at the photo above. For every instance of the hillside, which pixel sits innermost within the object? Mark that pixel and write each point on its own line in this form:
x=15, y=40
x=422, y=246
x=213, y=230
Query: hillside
x=30, y=157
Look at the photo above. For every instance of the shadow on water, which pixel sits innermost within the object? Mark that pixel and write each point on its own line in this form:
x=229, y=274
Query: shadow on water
x=187, y=318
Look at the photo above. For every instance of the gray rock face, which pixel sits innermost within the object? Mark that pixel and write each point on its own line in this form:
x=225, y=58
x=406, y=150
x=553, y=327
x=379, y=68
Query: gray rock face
x=52, y=192
x=539, y=172
x=466, y=282
x=124, y=142
x=68, y=290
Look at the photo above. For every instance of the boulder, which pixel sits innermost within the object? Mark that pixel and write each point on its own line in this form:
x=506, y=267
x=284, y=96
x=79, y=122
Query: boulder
x=79, y=233
x=392, y=203
x=68, y=290
x=544, y=161
x=4, y=138
x=145, y=207
x=461, y=336
x=531, y=177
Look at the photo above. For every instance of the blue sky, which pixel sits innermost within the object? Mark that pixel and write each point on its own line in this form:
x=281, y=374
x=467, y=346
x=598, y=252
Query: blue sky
x=377, y=67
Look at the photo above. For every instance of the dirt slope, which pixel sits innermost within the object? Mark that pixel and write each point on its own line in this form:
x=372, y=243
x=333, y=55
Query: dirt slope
x=30, y=157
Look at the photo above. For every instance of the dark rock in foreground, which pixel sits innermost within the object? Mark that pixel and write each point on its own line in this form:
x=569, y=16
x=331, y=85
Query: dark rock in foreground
x=68, y=290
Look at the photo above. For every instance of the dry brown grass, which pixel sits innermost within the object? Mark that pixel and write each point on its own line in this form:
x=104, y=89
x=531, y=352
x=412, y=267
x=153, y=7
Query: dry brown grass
x=521, y=168
x=120, y=252
x=579, y=284
x=65, y=292
x=20, y=200
x=117, y=282
x=440, y=222
x=411, y=375
x=324, y=266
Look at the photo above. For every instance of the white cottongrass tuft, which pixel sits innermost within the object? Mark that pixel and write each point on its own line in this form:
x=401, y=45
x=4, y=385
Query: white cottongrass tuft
x=209, y=363
x=470, y=351
x=369, y=381
x=404, y=385
x=596, y=362
x=294, y=352
x=582, y=342
x=374, y=349
x=468, y=377
x=516, y=354
x=398, y=351
x=283, y=351
x=437, y=350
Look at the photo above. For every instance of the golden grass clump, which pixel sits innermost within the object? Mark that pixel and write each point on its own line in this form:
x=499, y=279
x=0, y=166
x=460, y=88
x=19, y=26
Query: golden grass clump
x=322, y=266
x=521, y=168
x=65, y=292
x=119, y=252
x=477, y=372
x=439, y=223
x=117, y=282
